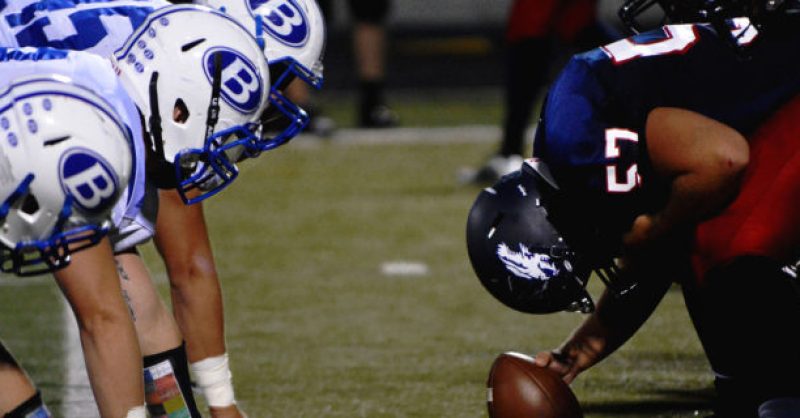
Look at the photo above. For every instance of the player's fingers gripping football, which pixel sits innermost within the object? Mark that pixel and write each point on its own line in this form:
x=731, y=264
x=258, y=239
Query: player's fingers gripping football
x=558, y=362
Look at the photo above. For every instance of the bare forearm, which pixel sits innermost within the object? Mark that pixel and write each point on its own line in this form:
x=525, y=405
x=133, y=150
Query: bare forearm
x=615, y=320
x=182, y=240
x=197, y=304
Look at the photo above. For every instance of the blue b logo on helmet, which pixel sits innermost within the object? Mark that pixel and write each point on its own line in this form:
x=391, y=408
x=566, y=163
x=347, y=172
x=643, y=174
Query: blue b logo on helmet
x=285, y=21
x=89, y=179
x=241, y=86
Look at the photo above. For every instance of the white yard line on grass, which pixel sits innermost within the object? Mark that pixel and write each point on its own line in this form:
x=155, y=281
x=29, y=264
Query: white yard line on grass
x=404, y=268
x=13, y=281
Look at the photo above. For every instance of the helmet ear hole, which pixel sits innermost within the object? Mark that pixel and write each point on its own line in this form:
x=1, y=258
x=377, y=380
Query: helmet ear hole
x=29, y=204
x=180, y=113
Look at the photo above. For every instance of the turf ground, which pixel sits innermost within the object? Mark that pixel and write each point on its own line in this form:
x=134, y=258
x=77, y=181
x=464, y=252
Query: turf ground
x=317, y=329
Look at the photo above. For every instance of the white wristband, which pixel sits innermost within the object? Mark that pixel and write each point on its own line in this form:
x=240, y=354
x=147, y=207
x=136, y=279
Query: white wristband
x=137, y=412
x=214, y=377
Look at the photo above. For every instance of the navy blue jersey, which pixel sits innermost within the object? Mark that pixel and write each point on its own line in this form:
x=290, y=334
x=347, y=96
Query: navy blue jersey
x=591, y=132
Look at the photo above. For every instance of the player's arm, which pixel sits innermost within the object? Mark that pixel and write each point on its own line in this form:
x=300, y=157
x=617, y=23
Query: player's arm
x=703, y=159
x=615, y=319
x=182, y=240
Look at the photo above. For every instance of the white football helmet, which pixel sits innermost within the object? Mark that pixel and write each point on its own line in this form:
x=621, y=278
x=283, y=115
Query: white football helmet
x=292, y=33
x=201, y=83
x=65, y=158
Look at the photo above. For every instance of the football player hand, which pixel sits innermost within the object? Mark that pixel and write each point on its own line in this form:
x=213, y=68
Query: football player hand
x=571, y=359
x=558, y=363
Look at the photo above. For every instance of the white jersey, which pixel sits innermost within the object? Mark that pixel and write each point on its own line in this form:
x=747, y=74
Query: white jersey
x=97, y=74
x=97, y=26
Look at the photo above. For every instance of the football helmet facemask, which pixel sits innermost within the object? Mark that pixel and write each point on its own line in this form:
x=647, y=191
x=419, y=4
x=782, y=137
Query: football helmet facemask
x=292, y=34
x=65, y=157
x=201, y=93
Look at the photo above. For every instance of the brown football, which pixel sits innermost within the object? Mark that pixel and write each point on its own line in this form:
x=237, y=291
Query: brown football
x=518, y=388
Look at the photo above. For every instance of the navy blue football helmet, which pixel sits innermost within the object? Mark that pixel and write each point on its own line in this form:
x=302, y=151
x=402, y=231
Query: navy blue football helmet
x=533, y=250
x=517, y=253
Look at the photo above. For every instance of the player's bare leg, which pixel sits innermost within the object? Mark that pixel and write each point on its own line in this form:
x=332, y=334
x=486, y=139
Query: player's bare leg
x=166, y=373
x=369, y=44
x=110, y=348
x=18, y=394
x=182, y=239
x=155, y=327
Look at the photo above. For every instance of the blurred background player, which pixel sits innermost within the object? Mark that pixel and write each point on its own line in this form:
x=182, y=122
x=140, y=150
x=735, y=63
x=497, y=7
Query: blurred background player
x=369, y=37
x=178, y=114
x=669, y=152
x=369, y=46
x=538, y=33
x=67, y=161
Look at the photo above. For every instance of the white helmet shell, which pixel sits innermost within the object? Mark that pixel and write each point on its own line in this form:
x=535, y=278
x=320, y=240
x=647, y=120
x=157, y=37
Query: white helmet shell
x=65, y=158
x=291, y=29
x=180, y=43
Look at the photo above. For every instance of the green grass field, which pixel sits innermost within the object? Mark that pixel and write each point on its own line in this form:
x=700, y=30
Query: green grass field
x=316, y=330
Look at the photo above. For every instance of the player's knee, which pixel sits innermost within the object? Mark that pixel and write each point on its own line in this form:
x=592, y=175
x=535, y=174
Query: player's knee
x=102, y=319
x=780, y=408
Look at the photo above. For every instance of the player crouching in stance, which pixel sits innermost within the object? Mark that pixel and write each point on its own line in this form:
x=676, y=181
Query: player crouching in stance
x=196, y=74
x=65, y=163
x=292, y=36
x=176, y=101
x=196, y=97
x=646, y=175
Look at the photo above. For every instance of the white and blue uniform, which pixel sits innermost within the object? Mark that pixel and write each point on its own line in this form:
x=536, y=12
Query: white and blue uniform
x=132, y=224
x=96, y=26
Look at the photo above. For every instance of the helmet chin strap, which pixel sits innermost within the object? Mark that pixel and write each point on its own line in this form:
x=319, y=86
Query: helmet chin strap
x=154, y=122
x=213, y=106
x=158, y=168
